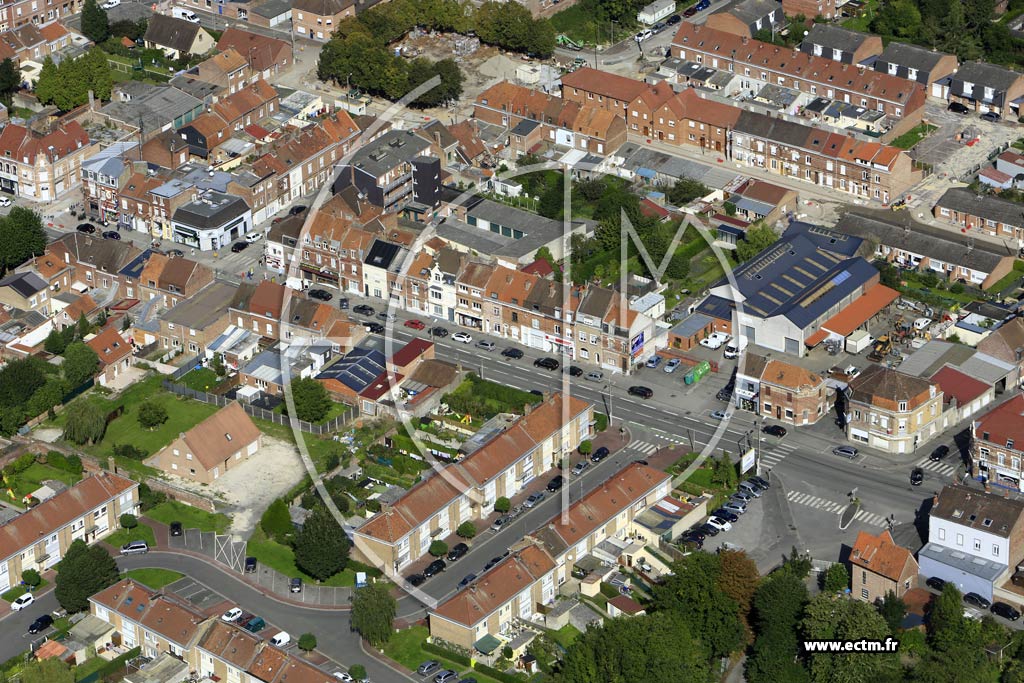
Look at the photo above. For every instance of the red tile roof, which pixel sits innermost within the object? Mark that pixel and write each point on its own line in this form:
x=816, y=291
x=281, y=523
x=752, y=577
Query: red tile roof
x=604, y=83
x=1003, y=423
x=110, y=346
x=881, y=555
x=861, y=310
x=411, y=351
x=21, y=145
x=955, y=384
x=261, y=51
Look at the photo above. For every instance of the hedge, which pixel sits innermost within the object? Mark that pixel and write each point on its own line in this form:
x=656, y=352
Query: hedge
x=497, y=675
x=451, y=655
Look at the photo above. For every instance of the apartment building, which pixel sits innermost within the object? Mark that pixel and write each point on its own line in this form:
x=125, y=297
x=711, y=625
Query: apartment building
x=893, y=411
x=841, y=45
x=464, y=491
x=102, y=176
x=154, y=621
x=43, y=167
x=88, y=511
x=998, y=448
x=94, y=262
x=601, y=89
x=36, y=13
x=332, y=250
x=992, y=215
x=758, y=63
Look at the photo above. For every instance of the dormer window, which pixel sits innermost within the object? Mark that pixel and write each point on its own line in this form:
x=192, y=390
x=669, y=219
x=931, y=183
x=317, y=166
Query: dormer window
x=1009, y=443
x=228, y=437
x=957, y=514
x=986, y=522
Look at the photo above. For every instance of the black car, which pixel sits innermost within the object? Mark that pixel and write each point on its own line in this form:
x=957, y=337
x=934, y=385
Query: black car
x=239, y=246
x=708, y=530
x=693, y=537
x=250, y=565
x=939, y=453
x=537, y=392
x=434, y=568
x=556, y=483
x=916, y=476
x=760, y=481
x=466, y=580
x=493, y=561
x=722, y=513
x=87, y=228
x=546, y=363
x=935, y=583
x=958, y=108
x=374, y=328
x=696, y=533
x=994, y=118
x=320, y=294
x=363, y=309
x=111, y=235
x=295, y=585
x=415, y=580
x=642, y=392
x=343, y=304
x=514, y=354
x=296, y=210
x=438, y=332
x=575, y=371
x=176, y=529
x=774, y=430
x=457, y=551
x=41, y=624
x=673, y=20
x=1001, y=609
x=600, y=454
x=975, y=600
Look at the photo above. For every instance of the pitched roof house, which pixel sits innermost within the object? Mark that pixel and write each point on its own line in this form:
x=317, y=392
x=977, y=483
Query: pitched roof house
x=114, y=352
x=177, y=37
x=880, y=566
x=220, y=442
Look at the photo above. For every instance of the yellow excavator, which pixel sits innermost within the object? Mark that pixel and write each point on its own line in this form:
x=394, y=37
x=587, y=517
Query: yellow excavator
x=880, y=349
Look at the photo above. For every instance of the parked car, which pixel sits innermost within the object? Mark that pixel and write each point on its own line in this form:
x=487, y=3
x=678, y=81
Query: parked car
x=734, y=506
x=344, y=677
x=463, y=337
x=653, y=362
x=22, y=601
x=446, y=676
x=414, y=324
x=708, y=530
x=42, y=622
x=935, y=583
x=499, y=523
x=457, y=551
x=428, y=667
x=556, y=483
x=255, y=625
x=386, y=316
x=250, y=565
x=916, y=476
x=175, y=529
x=5, y=201
x=939, y=453
x=643, y=35
x=175, y=253
x=296, y=210
x=415, y=580
x=232, y=614
x=295, y=585
x=719, y=414
x=87, y=228
x=727, y=515
x=486, y=345
x=715, y=341
x=363, y=309
x=672, y=365
x=578, y=468
x=438, y=332
x=434, y=568
x=976, y=600
x=760, y=482
x=690, y=11
x=958, y=108
x=719, y=523
x=696, y=533
x=1001, y=609
x=534, y=498
x=253, y=237
x=239, y=246
x=343, y=303
x=575, y=371
x=599, y=454
x=135, y=548
x=281, y=639
x=749, y=489
x=991, y=116
x=845, y=452
x=546, y=363
x=673, y=20
x=374, y=328
x=642, y=392
x=319, y=294
x=466, y=580
x=594, y=376
x=111, y=235
x=512, y=352
x=741, y=496
x=774, y=430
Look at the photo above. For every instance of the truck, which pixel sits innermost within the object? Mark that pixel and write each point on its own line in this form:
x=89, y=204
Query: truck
x=184, y=13
x=858, y=341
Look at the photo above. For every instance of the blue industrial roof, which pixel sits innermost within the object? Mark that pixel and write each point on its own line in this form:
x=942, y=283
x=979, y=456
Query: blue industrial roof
x=717, y=307
x=135, y=266
x=357, y=369
x=829, y=240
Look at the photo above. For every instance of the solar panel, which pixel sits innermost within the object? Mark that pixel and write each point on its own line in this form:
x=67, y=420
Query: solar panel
x=840, y=278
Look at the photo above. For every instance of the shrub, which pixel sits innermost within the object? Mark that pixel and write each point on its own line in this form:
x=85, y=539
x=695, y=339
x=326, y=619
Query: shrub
x=129, y=451
x=957, y=288
x=357, y=671
x=600, y=422
x=586, y=447
x=502, y=505
x=148, y=498
x=451, y=655
x=307, y=642
x=466, y=530
x=438, y=548
x=496, y=674
x=57, y=459
x=31, y=578
x=74, y=464
x=129, y=521
x=608, y=590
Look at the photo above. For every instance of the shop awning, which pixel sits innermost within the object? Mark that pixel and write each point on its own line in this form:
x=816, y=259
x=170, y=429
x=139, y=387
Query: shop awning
x=487, y=644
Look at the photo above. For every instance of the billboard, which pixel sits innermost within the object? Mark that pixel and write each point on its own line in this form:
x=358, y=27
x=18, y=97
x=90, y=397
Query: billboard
x=747, y=461
x=636, y=346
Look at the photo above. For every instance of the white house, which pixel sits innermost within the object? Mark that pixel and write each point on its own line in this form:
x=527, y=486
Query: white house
x=656, y=11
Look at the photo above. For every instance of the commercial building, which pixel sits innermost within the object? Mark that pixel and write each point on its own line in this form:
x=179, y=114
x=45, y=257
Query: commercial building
x=212, y=222
x=892, y=411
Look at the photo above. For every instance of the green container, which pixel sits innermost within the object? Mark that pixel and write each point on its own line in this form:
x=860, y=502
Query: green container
x=689, y=378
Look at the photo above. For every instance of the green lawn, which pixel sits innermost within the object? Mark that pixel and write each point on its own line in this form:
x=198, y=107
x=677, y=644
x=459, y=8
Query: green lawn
x=862, y=22
x=281, y=558
x=154, y=578
x=912, y=136
x=405, y=647
x=18, y=591
x=334, y=411
x=1009, y=279
x=581, y=25
x=566, y=635
x=200, y=379
x=32, y=478
x=142, y=532
x=190, y=517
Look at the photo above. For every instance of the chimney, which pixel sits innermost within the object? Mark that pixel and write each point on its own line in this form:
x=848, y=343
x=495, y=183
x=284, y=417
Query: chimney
x=112, y=465
x=744, y=40
x=527, y=409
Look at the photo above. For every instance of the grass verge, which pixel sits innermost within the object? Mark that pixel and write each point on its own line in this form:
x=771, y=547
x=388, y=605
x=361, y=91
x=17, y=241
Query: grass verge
x=406, y=648
x=142, y=532
x=154, y=577
x=190, y=517
x=281, y=558
x=16, y=592
x=913, y=136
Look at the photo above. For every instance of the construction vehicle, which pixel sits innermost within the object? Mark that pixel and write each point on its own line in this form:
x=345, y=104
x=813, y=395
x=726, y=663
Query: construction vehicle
x=880, y=349
x=566, y=41
x=899, y=205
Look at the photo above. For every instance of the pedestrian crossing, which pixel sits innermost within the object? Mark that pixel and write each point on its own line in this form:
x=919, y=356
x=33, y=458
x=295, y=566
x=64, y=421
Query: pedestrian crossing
x=777, y=454
x=834, y=508
x=644, y=447
x=941, y=468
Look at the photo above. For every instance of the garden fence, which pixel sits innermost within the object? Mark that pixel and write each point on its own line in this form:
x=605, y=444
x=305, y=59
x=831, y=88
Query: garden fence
x=187, y=367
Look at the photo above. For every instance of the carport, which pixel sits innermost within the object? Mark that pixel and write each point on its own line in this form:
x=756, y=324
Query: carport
x=854, y=316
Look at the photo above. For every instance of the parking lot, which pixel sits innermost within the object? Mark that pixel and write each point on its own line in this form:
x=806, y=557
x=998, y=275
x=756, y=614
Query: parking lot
x=200, y=596
x=954, y=159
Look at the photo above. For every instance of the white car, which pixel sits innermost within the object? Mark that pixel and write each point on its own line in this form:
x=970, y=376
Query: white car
x=716, y=340
x=253, y=237
x=643, y=35
x=344, y=676
x=232, y=614
x=22, y=602
x=463, y=337
x=110, y=4
x=672, y=365
x=5, y=201
x=719, y=523
x=281, y=639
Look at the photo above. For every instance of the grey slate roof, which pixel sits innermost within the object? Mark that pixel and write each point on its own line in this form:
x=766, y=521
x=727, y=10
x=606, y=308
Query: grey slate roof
x=777, y=130
x=110, y=256
x=25, y=284
x=204, y=308
x=984, y=74
x=169, y=32
x=213, y=210
x=272, y=9
x=388, y=151
x=965, y=201
x=834, y=38
x=154, y=105
x=910, y=56
x=750, y=11
x=926, y=240
x=691, y=325
x=384, y=255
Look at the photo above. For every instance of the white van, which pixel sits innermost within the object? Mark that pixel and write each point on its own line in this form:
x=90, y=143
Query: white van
x=281, y=639
x=735, y=347
x=183, y=13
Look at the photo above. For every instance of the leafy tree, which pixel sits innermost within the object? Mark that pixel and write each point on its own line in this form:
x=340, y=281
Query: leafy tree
x=438, y=548
x=321, y=547
x=84, y=422
x=133, y=30
x=892, y=609
x=54, y=343
x=80, y=364
x=466, y=530
x=590, y=190
x=276, y=522
x=46, y=397
x=586, y=447
x=725, y=471
x=655, y=648
x=357, y=671
x=21, y=237
x=148, y=498
x=900, y=19
x=837, y=578
x=10, y=80
x=95, y=24
x=30, y=577
x=373, y=611
x=830, y=617
x=84, y=326
x=129, y=521
x=48, y=82
x=502, y=505
x=738, y=578
x=754, y=242
x=84, y=571
x=307, y=642
x=693, y=591
x=685, y=190
x=777, y=607
x=217, y=365
x=152, y=414
x=50, y=670
x=312, y=402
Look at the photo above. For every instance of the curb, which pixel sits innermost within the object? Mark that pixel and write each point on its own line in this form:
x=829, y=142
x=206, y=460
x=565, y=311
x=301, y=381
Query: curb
x=846, y=518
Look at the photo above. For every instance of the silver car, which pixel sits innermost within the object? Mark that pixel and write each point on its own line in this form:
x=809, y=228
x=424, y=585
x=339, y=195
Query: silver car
x=736, y=507
x=595, y=376
x=845, y=451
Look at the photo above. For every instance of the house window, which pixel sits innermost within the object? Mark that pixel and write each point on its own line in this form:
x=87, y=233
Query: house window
x=942, y=534
x=995, y=550
x=960, y=539
x=864, y=593
x=903, y=406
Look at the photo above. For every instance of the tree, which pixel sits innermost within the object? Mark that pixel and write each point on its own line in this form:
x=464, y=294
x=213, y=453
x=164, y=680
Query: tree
x=725, y=471
x=84, y=326
x=692, y=590
x=84, y=422
x=152, y=414
x=307, y=642
x=466, y=530
x=10, y=80
x=133, y=30
x=31, y=578
x=438, y=548
x=586, y=447
x=54, y=343
x=685, y=190
x=357, y=671
x=217, y=365
x=502, y=505
x=21, y=237
x=321, y=547
x=373, y=611
x=776, y=610
x=755, y=241
x=892, y=609
x=50, y=670
x=276, y=522
x=80, y=364
x=48, y=82
x=129, y=521
x=95, y=24
x=738, y=578
x=312, y=402
x=84, y=571
x=837, y=578
x=831, y=617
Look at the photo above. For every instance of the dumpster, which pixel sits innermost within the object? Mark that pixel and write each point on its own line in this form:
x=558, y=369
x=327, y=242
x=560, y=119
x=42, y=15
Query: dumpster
x=688, y=378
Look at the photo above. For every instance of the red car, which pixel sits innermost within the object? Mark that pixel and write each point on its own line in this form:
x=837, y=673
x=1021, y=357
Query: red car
x=415, y=324
x=690, y=11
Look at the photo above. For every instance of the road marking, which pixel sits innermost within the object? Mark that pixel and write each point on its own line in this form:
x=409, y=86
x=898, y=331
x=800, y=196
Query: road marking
x=870, y=518
x=938, y=467
x=831, y=507
x=644, y=447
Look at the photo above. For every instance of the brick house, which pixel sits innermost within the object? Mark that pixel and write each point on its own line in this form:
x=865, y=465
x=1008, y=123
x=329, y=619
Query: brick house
x=986, y=87
x=840, y=44
x=928, y=67
x=879, y=566
x=748, y=17
x=998, y=448
x=317, y=19
x=792, y=394
x=266, y=57
x=219, y=443
x=811, y=8
x=43, y=167
x=196, y=321
x=226, y=69
x=249, y=104
x=601, y=89
x=993, y=215
x=115, y=354
x=172, y=280
x=892, y=411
